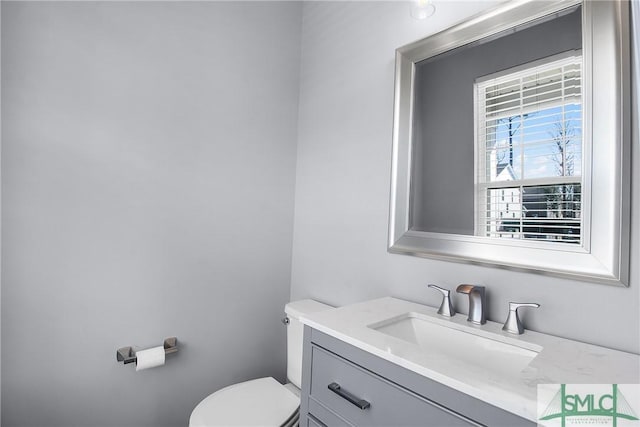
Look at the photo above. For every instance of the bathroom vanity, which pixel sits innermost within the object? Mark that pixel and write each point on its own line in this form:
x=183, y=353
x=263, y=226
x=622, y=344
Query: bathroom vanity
x=392, y=362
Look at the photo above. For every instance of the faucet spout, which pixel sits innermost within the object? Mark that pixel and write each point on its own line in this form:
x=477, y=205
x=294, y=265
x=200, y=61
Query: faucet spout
x=476, y=303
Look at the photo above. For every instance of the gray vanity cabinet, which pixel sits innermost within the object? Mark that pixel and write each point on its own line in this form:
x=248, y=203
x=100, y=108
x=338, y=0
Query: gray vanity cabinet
x=345, y=386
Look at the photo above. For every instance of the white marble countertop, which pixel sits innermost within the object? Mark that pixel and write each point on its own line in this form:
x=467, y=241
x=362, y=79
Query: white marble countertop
x=559, y=361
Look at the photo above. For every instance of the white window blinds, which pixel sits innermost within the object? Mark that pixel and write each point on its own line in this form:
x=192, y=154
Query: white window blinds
x=529, y=152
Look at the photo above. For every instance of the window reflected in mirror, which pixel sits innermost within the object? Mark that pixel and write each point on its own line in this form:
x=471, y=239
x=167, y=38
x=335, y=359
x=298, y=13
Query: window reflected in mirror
x=529, y=151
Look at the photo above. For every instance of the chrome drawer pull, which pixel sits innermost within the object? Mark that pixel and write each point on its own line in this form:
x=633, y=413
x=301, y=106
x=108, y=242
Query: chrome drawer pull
x=360, y=403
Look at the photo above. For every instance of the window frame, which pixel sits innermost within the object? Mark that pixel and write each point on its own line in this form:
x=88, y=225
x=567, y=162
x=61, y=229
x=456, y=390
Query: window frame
x=480, y=145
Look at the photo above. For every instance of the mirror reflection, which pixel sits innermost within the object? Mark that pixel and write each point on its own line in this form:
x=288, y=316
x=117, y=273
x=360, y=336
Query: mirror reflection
x=497, y=136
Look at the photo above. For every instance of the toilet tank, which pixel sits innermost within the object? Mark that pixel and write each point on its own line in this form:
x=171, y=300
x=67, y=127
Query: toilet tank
x=295, y=329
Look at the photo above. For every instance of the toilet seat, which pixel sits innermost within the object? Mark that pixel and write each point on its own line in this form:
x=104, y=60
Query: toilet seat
x=260, y=402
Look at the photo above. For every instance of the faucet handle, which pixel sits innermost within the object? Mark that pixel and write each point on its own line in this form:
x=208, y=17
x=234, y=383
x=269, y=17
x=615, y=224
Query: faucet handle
x=513, y=325
x=444, y=291
x=446, y=308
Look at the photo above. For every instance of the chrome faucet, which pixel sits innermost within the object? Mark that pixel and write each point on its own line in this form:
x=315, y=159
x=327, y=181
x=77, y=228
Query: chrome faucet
x=476, y=303
x=446, y=308
x=513, y=325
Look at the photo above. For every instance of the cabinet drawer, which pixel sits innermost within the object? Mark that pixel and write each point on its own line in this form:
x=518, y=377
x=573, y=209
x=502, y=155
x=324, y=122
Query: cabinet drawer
x=365, y=399
x=312, y=422
x=325, y=416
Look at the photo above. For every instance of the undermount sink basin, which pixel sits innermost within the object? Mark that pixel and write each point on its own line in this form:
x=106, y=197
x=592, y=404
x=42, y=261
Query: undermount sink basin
x=461, y=343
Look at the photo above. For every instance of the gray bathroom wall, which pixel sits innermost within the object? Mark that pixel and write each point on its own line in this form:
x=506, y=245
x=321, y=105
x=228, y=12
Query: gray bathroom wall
x=148, y=165
x=343, y=181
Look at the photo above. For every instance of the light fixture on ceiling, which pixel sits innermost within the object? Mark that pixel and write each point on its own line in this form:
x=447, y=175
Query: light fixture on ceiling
x=422, y=9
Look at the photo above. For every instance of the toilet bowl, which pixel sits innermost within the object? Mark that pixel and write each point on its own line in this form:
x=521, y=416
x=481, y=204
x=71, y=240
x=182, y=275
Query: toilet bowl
x=263, y=401
x=260, y=402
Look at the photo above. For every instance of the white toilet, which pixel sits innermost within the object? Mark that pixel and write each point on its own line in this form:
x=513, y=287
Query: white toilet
x=264, y=401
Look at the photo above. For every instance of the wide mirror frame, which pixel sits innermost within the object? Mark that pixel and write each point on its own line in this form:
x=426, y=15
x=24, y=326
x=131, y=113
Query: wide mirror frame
x=604, y=255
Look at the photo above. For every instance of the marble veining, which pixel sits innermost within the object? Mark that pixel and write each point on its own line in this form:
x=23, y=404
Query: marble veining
x=558, y=360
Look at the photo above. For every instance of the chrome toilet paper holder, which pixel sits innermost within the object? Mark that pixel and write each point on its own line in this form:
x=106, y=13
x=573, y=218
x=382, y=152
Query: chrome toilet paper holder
x=127, y=355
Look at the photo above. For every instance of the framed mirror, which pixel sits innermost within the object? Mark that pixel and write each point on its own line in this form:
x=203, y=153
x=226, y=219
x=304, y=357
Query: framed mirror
x=511, y=142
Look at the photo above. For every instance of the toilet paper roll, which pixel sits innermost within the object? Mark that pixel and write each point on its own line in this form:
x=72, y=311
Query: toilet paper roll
x=149, y=358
